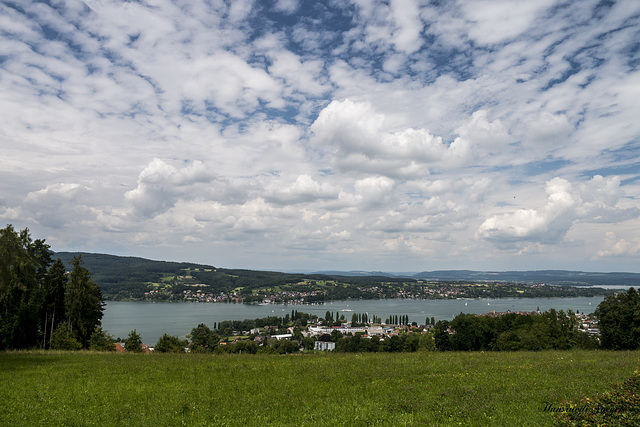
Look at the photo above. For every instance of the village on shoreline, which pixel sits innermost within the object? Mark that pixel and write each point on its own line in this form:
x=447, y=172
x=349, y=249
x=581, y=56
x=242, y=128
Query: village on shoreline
x=187, y=288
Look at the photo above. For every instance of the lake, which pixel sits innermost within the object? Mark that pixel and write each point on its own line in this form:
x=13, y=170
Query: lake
x=151, y=320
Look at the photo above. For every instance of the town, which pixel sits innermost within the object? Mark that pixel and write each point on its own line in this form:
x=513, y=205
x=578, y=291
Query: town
x=300, y=331
x=187, y=287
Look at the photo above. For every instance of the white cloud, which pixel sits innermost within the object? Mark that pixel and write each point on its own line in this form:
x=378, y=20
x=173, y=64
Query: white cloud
x=304, y=189
x=362, y=134
x=406, y=37
x=287, y=6
x=496, y=21
x=490, y=136
x=355, y=133
x=615, y=246
x=57, y=205
x=593, y=201
x=546, y=225
x=160, y=185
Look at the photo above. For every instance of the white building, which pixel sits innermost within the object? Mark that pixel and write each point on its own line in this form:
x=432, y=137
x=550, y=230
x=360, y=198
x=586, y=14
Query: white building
x=325, y=346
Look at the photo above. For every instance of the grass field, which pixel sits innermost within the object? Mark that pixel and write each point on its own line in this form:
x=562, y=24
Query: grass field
x=509, y=389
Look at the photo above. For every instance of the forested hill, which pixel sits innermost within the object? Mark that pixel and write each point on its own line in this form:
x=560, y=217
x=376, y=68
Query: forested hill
x=130, y=277
x=113, y=268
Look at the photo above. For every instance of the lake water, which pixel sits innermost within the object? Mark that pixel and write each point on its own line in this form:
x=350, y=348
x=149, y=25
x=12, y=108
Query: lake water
x=152, y=320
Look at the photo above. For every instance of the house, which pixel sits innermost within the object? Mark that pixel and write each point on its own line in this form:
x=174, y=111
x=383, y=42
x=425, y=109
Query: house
x=325, y=346
x=375, y=330
x=282, y=336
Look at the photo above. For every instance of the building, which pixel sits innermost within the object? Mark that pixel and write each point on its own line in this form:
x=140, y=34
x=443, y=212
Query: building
x=325, y=346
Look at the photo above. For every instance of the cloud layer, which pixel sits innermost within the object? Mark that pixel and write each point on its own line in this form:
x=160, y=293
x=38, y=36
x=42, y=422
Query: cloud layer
x=402, y=136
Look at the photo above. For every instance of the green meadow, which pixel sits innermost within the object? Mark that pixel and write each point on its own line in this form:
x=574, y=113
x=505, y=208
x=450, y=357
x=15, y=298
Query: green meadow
x=83, y=388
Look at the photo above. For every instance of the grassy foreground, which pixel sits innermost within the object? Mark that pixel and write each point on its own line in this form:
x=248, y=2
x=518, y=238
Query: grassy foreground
x=79, y=388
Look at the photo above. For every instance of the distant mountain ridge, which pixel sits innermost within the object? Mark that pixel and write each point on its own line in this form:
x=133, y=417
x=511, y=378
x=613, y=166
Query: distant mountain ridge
x=550, y=277
x=104, y=266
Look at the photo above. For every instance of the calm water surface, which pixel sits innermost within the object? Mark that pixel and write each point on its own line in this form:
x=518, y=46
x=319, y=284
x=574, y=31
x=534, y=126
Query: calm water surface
x=151, y=320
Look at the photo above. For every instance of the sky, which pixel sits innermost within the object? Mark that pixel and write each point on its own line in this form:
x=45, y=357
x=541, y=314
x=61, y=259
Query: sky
x=291, y=135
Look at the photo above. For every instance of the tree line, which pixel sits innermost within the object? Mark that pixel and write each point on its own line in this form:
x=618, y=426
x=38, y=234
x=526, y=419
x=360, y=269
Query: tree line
x=41, y=304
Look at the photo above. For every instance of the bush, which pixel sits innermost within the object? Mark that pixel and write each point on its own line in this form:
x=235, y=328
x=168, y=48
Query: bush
x=618, y=407
x=64, y=339
x=170, y=344
x=101, y=341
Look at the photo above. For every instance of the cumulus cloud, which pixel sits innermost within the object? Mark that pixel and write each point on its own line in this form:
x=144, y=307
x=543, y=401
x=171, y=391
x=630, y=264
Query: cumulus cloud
x=616, y=246
x=593, y=201
x=160, y=185
x=490, y=136
x=57, y=205
x=304, y=190
x=546, y=225
x=356, y=134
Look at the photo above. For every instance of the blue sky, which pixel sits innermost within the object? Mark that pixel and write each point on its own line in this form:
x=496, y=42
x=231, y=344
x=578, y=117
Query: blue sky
x=356, y=135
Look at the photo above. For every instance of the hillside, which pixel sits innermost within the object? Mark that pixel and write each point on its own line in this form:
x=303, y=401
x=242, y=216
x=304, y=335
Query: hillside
x=134, y=278
x=130, y=277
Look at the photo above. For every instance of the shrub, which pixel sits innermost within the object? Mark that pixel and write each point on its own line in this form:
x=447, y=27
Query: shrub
x=170, y=344
x=64, y=339
x=101, y=341
x=618, y=407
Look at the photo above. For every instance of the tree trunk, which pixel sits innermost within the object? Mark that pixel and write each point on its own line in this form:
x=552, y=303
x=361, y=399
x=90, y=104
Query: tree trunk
x=44, y=330
x=53, y=318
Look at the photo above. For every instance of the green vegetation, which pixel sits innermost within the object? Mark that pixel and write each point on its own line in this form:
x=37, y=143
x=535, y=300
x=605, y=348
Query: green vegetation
x=619, y=321
x=509, y=332
x=423, y=388
x=40, y=304
x=618, y=406
x=133, y=343
x=171, y=344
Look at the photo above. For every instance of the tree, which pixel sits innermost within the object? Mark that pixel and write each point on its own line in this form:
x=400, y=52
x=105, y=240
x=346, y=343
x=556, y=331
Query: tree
x=53, y=307
x=133, y=343
x=308, y=343
x=619, y=321
x=287, y=346
x=170, y=344
x=23, y=266
x=84, y=302
x=101, y=340
x=441, y=335
x=63, y=339
x=393, y=344
x=427, y=342
x=245, y=346
x=203, y=338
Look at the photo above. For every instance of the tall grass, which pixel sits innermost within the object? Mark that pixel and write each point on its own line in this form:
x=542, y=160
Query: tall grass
x=77, y=388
